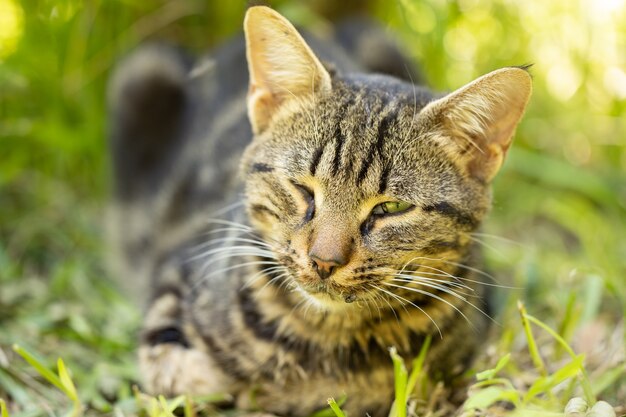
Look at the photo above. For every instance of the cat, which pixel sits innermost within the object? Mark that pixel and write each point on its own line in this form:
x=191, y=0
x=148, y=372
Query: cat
x=295, y=219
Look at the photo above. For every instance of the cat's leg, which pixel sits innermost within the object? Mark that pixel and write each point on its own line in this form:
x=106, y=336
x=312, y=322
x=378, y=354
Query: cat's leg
x=173, y=359
x=170, y=364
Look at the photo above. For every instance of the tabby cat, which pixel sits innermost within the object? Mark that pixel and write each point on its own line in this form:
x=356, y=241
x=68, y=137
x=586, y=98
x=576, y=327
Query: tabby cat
x=287, y=254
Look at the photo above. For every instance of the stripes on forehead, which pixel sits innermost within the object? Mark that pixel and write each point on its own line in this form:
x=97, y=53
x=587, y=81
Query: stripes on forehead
x=337, y=135
x=376, y=150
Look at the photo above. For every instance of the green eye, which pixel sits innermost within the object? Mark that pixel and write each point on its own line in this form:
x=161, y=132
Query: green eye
x=391, y=207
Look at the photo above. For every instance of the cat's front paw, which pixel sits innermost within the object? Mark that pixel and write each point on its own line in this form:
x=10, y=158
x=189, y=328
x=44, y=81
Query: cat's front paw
x=578, y=407
x=173, y=369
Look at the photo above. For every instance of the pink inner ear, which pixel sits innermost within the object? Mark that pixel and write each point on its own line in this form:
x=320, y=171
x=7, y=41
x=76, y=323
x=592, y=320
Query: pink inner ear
x=486, y=113
x=501, y=132
x=260, y=107
x=281, y=64
x=485, y=165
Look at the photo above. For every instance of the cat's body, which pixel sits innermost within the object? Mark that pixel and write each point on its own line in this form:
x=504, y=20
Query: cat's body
x=295, y=296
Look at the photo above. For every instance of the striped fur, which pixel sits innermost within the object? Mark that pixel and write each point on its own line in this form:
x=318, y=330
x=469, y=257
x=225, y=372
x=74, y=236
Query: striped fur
x=225, y=224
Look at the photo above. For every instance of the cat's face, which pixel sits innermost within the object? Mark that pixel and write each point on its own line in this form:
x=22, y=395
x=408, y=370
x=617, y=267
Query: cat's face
x=358, y=182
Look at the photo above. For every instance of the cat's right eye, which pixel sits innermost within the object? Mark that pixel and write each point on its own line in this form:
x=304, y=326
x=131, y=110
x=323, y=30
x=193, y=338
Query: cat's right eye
x=309, y=198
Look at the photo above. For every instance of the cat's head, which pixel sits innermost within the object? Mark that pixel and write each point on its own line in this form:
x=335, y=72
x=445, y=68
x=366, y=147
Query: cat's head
x=359, y=180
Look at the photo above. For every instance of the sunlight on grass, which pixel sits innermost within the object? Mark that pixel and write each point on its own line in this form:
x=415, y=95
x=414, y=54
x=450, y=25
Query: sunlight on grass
x=12, y=24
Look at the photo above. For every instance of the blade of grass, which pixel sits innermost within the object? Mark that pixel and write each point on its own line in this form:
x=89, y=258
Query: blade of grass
x=584, y=379
x=165, y=407
x=335, y=407
x=489, y=396
x=67, y=382
x=418, y=366
x=400, y=376
x=40, y=367
x=568, y=322
x=3, y=409
x=532, y=345
x=490, y=373
x=189, y=407
x=70, y=388
x=545, y=384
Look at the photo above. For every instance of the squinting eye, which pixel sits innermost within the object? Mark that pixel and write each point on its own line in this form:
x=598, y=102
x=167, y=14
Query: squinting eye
x=306, y=193
x=391, y=207
x=310, y=200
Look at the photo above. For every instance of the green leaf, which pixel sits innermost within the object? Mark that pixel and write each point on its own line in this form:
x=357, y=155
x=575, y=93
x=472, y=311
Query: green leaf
x=418, y=365
x=189, y=408
x=490, y=373
x=40, y=367
x=330, y=412
x=401, y=376
x=586, y=385
x=3, y=409
x=335, y=407
x=165, y=406
x=545, y=384
x=66, y=380
x=530, y=338
x=489, y=396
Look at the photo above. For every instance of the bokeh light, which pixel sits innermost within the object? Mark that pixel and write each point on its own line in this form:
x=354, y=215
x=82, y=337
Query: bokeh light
x=578, y=49
x=11, y=26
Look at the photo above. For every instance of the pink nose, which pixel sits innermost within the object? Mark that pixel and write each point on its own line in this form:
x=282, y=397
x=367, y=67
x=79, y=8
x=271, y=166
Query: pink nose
x=326, y=267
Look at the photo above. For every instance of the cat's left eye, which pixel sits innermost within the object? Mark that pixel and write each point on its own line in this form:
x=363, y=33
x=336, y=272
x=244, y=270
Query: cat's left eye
x=391, y=207
x=309, y=197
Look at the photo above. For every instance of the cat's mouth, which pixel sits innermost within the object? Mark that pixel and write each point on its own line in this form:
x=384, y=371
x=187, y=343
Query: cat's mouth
x=327, y=294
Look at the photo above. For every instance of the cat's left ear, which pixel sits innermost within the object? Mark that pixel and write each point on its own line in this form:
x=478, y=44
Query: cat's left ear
x=282, y=66
x=476, y=123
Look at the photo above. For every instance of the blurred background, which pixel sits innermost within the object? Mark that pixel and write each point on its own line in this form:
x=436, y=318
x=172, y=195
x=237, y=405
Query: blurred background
x=558, y=227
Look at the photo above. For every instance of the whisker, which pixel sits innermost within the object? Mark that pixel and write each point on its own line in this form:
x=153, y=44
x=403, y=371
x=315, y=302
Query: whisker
x=252, y=251
x=469, y=268
x=496, y=237
x=441, y=281
x=411, y=303
x=225, y=222
x=237, y=266
x=376, y=298
x=298, y=305
x=438, y=283
x=389, y=304
x=457, y=294
x=225, y=254
x=241, y=227
x=435, y=296
x=486, y=245
x=276, y=278
x=233, y=239
x=228, y=208
x=261, y=273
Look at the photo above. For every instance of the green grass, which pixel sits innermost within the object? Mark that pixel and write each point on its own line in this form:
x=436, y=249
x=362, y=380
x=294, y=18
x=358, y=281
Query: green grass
x=551, y=387
x=556, y=232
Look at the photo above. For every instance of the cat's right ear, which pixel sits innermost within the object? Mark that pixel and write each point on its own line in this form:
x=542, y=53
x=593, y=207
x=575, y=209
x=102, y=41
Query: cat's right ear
x=282, y=66
x=475, y=124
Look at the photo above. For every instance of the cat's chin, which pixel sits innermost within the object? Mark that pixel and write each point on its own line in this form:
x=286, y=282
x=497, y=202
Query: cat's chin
x=325, y=300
